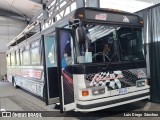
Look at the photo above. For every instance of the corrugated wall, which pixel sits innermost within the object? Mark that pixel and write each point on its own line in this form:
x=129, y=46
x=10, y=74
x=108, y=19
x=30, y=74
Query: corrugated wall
x=151, y=17
x=9, y=28
x=3, y=64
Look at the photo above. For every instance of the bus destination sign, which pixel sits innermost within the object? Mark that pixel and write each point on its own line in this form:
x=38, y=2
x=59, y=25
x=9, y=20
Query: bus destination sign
x=109, y=16
x=101, y=16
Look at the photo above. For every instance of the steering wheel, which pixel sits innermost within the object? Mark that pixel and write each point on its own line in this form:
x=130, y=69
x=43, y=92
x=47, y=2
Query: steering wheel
x=104, y=55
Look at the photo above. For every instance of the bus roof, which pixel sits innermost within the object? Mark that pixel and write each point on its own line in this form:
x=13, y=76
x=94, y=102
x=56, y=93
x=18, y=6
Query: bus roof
x=26, y=33
x=19, y=40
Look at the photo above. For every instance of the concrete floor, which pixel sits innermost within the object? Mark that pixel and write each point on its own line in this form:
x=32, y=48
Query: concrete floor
x=12, y=99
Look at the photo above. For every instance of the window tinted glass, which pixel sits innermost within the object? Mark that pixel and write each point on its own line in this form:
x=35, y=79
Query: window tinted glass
x=35, y=56
x=13, y=58
x=26, y=57
x=17, y=58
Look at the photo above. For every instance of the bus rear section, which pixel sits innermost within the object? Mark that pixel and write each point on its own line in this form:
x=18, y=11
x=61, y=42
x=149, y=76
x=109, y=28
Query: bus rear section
x=101, y=61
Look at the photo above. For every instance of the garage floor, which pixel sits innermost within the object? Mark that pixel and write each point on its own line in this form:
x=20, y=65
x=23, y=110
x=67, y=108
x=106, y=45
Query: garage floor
x=12, y=99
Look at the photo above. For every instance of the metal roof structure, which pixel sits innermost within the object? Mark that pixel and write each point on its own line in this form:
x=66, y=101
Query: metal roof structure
x=29, y=8
x=47, y=12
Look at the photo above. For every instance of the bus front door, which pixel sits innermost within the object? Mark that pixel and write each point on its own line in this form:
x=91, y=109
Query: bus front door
x=50, y=71
x=65, y=76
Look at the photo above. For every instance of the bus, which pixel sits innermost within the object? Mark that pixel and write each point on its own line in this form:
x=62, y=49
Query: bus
x=91, y=60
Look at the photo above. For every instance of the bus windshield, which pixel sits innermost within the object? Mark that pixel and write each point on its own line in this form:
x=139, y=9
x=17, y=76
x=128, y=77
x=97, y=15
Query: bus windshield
x=109, y=43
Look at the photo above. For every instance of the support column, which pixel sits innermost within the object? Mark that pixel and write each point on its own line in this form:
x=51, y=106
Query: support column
x=45, y=15
x=44, y=18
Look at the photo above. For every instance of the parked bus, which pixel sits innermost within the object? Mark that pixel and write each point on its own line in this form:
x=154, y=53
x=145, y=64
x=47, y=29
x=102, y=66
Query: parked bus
x=93, y=59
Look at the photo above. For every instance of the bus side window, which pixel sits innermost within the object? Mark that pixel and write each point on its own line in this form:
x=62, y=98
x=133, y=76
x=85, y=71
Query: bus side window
x=13, y=58
x=17, y=58
x=35, y=53
x=26, y=57
x=21, y=57
x=8, y=59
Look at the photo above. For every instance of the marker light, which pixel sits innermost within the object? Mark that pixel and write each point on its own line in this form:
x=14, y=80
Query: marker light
x=85, y=93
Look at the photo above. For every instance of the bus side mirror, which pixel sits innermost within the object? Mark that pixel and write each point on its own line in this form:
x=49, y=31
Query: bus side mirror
x=80, y=34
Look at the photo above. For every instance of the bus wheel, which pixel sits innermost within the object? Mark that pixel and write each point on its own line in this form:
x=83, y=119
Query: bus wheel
x=14, y=84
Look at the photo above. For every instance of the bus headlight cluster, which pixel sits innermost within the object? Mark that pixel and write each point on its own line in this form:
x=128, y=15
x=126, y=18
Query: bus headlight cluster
x=141, y=83
x=93, y=91
x=97, y=91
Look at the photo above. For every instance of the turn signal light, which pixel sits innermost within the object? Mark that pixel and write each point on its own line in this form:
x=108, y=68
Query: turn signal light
x=85, y=93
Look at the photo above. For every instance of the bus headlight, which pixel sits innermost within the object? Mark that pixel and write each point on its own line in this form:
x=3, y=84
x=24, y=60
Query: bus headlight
x=141, y=83
x=97, y=91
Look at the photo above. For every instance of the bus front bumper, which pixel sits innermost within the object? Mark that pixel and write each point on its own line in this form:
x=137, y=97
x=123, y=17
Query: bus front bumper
x=103, y=103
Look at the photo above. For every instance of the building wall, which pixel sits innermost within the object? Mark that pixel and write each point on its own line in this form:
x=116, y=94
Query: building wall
x=3, y=64
x=9, y=29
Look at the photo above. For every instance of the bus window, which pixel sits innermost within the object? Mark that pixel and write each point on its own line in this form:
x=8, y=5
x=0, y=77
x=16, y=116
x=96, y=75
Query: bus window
x=21, y=57
x=131, y=43
x=99, y=42
x=26, y=57
x=35, y=56
x=17, y=58
x=108, y=43
x=13, y=58
x=35, y=53
x=50, y=49
x=8, y=59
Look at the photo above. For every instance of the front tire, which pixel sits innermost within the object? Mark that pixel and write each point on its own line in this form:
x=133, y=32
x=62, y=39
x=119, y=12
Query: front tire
x=14, y=84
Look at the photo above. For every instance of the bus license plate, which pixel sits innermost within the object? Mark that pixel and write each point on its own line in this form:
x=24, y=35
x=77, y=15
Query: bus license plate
x=122, y=91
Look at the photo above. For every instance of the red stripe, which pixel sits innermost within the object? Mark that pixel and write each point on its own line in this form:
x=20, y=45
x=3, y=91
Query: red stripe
x=67, y=77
